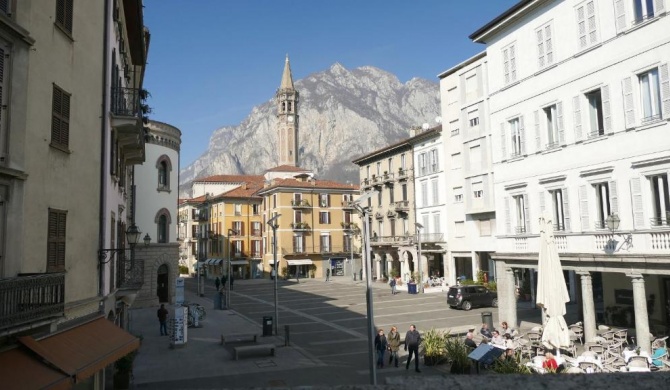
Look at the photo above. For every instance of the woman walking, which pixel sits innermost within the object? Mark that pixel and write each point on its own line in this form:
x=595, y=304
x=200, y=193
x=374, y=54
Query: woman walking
x=380, y=345
x=394, y=345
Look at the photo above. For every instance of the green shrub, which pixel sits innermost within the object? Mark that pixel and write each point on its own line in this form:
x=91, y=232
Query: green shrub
x=457, y=355
x=468, y=282
x=493, y=286
x=183, y=270
x=434, y=343
x=510, y=366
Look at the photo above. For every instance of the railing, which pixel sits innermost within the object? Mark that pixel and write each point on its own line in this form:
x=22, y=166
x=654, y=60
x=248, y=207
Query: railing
x=377, y=180
x=347, y=204
x=657, y=221
x=600, y=224
x=651, y=118
x=561, y=243
x=660, y=241
x=388, y=177
x=402, y=174
x=300, y=203
x=26, y=299
x=401, y=206
x=317, y=249
x=559, y=227
x=130, y=273
x=126, y=102
x=521, y=244
x=432, y=237
x=520, y=230
x=349, y=225
x=605, y=242
x=596, y=133
x=379, y=215
x=365, y=183
x=300, y=226
x=256, y=232
x=552, y=145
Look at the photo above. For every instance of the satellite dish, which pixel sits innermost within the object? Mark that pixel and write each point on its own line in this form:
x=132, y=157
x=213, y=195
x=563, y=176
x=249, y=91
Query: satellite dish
x=438, y=119
x=425, y=126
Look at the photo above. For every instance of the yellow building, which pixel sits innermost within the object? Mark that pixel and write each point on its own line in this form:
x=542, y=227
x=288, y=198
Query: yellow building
x=315, y=228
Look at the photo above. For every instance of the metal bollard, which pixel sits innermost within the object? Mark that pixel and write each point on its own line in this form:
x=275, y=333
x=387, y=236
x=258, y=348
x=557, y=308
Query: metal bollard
x=287, y=336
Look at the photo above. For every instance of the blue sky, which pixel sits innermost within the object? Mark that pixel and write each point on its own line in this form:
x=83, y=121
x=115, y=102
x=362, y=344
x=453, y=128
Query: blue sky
x=212, y=61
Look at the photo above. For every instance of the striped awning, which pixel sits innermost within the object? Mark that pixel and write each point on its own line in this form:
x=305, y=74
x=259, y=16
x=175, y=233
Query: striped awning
x=214, y=261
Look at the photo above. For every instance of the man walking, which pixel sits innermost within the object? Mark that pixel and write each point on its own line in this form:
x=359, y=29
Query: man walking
x=232, y=280
x=412, y=341
x=392, y=283
x=217, y=283
x=327, y=274
x=162, y=318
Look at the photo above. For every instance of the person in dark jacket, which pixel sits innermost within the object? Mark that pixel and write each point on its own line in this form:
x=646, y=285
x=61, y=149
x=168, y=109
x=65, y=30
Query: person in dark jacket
x=412, y=341
x=217, y=283
x=162, y=318
x=469, y=342
x=381, y=344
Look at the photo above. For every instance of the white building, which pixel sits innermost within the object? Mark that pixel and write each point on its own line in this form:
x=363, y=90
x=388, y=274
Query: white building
x=469, y=170
x=580, y=101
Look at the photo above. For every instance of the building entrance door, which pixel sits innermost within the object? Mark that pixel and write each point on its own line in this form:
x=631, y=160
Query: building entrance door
x=162, y=284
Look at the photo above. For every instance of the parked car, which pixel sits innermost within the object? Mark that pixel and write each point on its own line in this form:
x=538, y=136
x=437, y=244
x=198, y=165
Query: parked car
x=467, y=297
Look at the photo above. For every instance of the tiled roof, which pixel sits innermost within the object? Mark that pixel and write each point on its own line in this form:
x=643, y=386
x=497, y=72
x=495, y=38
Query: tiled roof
x=230, y=179
x=405, y=142
x=320, y=184
x=247, y=190
x=287, y=168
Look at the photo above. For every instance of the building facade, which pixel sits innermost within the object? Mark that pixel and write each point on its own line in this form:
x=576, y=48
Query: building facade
x=584, y=89
x=469, y=170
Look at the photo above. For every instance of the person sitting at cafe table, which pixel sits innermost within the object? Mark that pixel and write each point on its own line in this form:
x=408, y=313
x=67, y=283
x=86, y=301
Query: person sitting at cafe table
x=497, y=340
x=485, y=331
x=549, y=362
x=469, y=342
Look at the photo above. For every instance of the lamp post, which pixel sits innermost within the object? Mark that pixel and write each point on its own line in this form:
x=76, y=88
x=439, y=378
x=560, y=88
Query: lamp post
x=364, y=212
x=230, y=259
x=132, y=237
x=351, y=235
x=274, y=227
x=418, y=242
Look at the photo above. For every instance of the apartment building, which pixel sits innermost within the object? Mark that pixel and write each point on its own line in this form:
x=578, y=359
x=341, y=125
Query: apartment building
x=316, y=229
x=468, y=165
x=156, y=211
x=70, y=134
x=580, y=98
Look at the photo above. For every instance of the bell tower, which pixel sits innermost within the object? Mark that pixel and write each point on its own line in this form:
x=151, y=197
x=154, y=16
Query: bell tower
x=287, y=118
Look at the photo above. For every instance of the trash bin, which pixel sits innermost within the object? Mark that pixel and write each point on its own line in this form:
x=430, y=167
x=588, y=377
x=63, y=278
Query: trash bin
x=411, y=288
x=487, y=318
x=218, y=301
x=267, y=326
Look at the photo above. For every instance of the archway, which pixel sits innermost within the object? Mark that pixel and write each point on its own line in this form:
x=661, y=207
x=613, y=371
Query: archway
x=162, y=283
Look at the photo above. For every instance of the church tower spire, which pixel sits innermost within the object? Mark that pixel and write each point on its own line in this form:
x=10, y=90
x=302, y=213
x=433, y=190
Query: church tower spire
x=287, y=118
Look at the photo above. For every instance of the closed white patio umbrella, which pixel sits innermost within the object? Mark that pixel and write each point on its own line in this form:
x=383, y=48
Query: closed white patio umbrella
x=552, y=293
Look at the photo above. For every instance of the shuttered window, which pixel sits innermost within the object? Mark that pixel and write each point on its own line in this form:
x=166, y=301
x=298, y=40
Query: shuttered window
x=56, y=240
x=587, y=24
x=509, y=64
x=60, y=118
x=64, y=10
x=545, y=46
x=4, y=7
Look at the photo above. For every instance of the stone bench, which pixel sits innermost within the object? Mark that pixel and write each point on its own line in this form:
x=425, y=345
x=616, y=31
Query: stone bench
x=239, y=337
x=251, y=349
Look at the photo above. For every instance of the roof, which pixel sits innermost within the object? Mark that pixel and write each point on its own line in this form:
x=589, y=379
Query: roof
x=405, y=142
x=287, y=168
x=244, y=191
x=314, y=184
x=477, y=35
x=229, y=179
x=462, y=65
x=287, y=77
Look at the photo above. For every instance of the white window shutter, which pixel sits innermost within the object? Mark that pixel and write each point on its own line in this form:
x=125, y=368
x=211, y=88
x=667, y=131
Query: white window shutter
x=542, y=202
x=522, y=134
x=538, y=135
x=540, y=48
x=581, y=27
x=620, y=15
x=559, y=119
x=659, y=7
x=506, y=65
x=628, y=109
x=614, y=198
x=512, y=63
x=566, y=209
x=584, y=207
x=638, y=205
x=508, y=219
x=526, y=213
x=665, y=89
x=503, y=142
x=577, y=117
x=548, y=45
x=607, y=112
x=591, y=21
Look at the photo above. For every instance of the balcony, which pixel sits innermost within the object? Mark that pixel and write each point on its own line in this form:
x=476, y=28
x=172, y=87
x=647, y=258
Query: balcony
x=659, y=222
x=201, y=218
x=347, y=204
x=377, y=181
x=390, y=214
x=379, y=215
x=28, y=299
x=129, y=274
x=349, y=226
x=393, y=240
x=402, y=174
x=300, y=203
x=428, y=238
x=126, y=119
x=387, y=178
x=327, y=249
x=366, y=183
x=300, y=226
x=401, y=206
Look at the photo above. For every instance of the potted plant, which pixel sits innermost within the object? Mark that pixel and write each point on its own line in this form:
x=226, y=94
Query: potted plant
x=124, y=368
x=457, y=355
x=434, y=347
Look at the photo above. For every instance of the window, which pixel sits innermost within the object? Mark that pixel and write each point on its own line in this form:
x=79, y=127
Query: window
x=661, y=200
x=162, y=229
x=560, y=209
x=238, y=248
x=64, y=15
x=324, y=217
x=459, y=229
x=4, y=101
x=402, y=161
x=595, y=113
x=604, y=208
x=437, y=226
x=347, y=241
x=56, y=240
x=509, y=64
x=473, y=118
x=422, y=164
x=424, y=193
x=390, y=166
x=404, y=191
x=517, y=138
x=298, y=243
x=4, y=7
x=484, y=226
x=274, y=201
x=255, y=209
x=435, y=191
x=520, y=205
x=587, y=29
x=651, y=95
x=297, y=216
x=256, y=229
x=256, y=248
x=458, y=194
x=324, y=200
x=453, y=126
x=238, y=208
x=475, y=157
x=164, y=167
x=379, y=168
x=380, y=228
x=238, y=227
x=456, y=161
x=379, y=198
x=644, y=9
x=391, y=197
x=325, y=243
x=545, y=49
x=367, y=169
x=452, y=96
x=554, y=119
x=433, y=161
x=60, y=119
x=478, y=193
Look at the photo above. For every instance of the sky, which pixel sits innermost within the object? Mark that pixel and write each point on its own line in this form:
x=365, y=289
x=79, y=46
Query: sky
x=211, y=61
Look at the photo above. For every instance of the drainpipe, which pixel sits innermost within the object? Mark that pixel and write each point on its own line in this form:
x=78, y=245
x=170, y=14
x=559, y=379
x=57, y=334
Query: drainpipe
x=103, y=147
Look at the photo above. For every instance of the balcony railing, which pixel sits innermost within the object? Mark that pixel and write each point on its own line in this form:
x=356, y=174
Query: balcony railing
x=377, y=180
x=657, y=221
x=347, y=204
x=401, y=206
x=596, y=133
x=599, y=225
x=427, y=238
x=201, y=217
x=299, y=203
x=366, y=183
x=349, y=226
x=130, y=273
x=300, y=226
x=379, y=215
x=26, y=299
x=394, y=240
x=402, y=174
x=126, y=102
x=329, y=249
x=387, y=178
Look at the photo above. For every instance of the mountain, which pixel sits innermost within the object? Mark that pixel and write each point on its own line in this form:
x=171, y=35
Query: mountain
x=344, y=114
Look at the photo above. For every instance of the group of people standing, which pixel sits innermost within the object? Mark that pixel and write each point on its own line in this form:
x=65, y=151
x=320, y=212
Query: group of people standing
x=391, y=343
x=222, y=282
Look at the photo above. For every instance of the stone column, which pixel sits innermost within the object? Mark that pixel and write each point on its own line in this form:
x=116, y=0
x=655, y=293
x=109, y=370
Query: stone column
x=474, y=262
x=642, y=337
x=588, y=306
x=509, y=299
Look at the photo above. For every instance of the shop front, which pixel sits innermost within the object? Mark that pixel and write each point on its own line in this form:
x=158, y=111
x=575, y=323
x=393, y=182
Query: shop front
x=298, y=268
x=337, y=266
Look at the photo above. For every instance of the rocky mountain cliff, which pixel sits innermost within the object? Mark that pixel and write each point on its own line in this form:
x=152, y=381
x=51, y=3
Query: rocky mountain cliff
x=344, y=114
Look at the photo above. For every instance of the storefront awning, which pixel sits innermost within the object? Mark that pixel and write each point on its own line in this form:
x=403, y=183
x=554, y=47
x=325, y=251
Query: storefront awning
x=299, y=262
x=20, y=370
x=239, y=262
x=214, y=261
x=84, y=350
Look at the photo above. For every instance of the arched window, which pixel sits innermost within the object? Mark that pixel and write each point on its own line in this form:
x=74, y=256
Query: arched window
x=163, y=221
x=164, y=167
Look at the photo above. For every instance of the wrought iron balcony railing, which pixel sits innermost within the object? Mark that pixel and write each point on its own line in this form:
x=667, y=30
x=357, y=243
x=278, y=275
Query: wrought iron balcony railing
x=402, y=174
x=327, y=249
x=300, y=226
x=401, y=206
x=126, y=102
x=300, y=203
x=129, y=273
x=26, y=299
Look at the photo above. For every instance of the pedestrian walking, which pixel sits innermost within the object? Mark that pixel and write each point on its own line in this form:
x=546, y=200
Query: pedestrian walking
x=327, y=274
x=381, y=345
x=273, y=274
x=394, y=345
x=392, y=283
x=361, y=273
x=217, y=283
x=232, y=280
x=412, y=341
x=162, y=318
x=224, y=279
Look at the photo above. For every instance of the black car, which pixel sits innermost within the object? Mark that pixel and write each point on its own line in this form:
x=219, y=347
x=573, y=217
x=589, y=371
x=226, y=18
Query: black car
x=466, y=297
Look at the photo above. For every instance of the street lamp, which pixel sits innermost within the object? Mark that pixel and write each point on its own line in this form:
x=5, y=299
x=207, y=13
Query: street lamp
x=364, y=212
x=418, y=243
x=230, y=259
x=274, y=227
x=132, y=236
